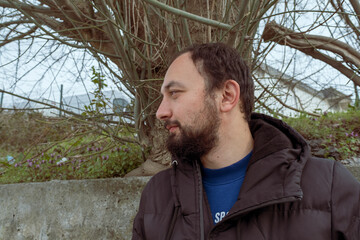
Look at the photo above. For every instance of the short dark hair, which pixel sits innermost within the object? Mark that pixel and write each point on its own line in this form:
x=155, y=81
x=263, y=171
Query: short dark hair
x=217, y=63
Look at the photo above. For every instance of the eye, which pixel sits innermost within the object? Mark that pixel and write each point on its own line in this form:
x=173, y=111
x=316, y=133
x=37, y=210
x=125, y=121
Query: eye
x=173, y=93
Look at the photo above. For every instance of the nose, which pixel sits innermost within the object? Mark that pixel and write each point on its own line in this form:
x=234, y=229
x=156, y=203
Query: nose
x=164, y=111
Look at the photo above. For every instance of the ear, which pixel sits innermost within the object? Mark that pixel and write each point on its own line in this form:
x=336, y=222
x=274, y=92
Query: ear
x=230, y=96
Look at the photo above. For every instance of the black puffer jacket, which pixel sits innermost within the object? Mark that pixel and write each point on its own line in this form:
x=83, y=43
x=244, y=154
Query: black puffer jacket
x=287, y=194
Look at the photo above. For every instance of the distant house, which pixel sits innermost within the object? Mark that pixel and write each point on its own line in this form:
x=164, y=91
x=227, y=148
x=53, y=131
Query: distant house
x=116, y=102
x=280, y=92
x=114, y=99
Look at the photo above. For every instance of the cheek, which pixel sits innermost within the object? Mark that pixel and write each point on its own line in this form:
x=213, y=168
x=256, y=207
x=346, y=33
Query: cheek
x=190, y=107
x=196, y=115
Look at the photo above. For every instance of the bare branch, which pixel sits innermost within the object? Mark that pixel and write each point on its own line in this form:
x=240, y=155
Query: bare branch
x=19, y=37
x=27, y=7
x=281, y=102
x=190, y=16
x=309, y=44
x=6, y=24
x=356, y=5
x=345, y=17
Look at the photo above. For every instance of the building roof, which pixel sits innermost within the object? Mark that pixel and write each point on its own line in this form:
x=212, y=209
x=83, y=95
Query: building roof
x=327, y=93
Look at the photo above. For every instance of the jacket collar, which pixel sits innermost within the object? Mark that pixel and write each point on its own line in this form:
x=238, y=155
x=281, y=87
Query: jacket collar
x=275, y=169
x=273, y=174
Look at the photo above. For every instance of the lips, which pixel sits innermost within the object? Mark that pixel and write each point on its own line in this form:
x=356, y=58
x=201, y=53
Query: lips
x=171, y=126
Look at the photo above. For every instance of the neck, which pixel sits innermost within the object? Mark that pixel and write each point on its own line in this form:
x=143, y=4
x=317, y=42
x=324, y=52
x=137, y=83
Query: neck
x=235, y=142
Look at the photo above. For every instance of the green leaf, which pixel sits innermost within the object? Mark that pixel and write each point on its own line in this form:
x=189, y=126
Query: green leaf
x=5, y=163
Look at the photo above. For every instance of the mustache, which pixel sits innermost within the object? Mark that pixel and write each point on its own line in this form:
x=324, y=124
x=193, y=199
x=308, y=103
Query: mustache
x=171, y=123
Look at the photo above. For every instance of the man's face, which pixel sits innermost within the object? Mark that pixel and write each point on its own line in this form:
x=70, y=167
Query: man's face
x=189, y=113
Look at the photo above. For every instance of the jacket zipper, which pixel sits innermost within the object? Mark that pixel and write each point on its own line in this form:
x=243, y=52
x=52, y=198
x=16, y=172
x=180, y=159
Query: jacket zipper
x=202, y=237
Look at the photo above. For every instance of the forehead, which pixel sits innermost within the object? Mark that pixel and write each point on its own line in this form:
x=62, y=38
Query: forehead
x=182, y=73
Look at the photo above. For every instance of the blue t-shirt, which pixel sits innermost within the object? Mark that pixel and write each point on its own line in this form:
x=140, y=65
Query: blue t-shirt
x=222, y=186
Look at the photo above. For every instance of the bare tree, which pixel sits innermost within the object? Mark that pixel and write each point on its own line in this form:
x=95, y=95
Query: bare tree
x=139, y=37
x=135, y=39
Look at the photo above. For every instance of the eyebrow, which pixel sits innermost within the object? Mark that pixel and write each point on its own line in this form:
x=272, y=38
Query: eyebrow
x=172, y=84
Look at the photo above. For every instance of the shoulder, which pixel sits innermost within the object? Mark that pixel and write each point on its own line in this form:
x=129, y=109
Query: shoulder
x=159, y=181
x=322, y=178
x=157, y=191
x=326, y=169
x=318, y=171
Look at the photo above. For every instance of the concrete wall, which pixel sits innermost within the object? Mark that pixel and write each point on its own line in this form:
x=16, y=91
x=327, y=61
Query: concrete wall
x=85, y=209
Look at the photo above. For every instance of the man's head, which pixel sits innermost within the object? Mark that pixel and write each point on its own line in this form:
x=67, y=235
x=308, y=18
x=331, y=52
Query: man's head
x=192, y=91
x=217, y=63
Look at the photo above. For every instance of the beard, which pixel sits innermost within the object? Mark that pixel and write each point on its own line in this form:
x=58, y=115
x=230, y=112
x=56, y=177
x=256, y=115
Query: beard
x=194, y=141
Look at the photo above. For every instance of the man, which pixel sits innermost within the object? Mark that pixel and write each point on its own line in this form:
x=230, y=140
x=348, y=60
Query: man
x=237, y=174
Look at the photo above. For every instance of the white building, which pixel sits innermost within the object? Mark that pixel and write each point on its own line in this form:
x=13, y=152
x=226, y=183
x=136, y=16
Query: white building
x=115, y=101
x=282, y=94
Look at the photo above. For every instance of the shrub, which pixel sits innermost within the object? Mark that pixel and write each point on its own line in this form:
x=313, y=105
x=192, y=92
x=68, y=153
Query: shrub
x=333, y=135
x=51, y=148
